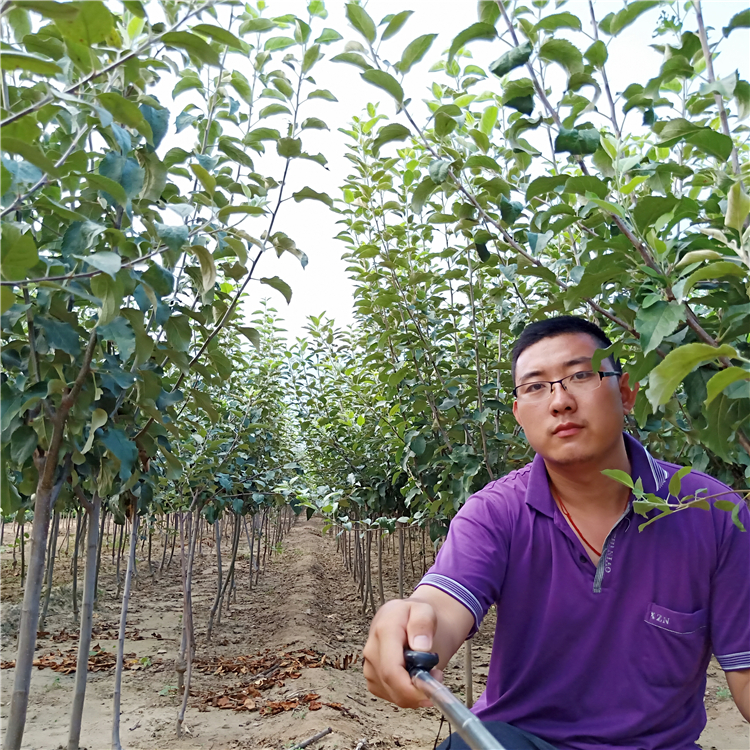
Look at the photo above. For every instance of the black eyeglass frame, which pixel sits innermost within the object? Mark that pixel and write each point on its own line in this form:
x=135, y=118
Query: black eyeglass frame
x=550, y=383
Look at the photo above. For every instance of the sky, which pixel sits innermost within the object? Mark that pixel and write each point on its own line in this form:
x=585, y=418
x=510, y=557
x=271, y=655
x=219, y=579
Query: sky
x=323, y=286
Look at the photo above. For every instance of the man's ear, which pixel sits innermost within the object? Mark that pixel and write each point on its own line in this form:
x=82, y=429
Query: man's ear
x=515, y=412
x=628, y=393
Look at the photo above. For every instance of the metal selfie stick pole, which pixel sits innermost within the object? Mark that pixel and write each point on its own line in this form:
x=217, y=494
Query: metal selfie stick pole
x=468, y=726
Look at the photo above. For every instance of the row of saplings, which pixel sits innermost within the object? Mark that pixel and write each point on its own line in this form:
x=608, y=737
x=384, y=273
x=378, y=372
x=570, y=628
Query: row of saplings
x=83, y=539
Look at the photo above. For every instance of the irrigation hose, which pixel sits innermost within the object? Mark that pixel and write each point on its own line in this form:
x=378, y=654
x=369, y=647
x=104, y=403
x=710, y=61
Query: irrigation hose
x=468, y=726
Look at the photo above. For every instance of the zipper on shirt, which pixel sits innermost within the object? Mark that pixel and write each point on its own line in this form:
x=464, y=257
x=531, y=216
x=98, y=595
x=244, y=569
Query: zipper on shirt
x=605, y=561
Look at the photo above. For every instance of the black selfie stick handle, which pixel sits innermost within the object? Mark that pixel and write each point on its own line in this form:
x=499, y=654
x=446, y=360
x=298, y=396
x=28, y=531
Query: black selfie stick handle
x=468, y=726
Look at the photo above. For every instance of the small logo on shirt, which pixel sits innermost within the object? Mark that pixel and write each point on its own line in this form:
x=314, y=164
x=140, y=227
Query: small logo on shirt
x=662, y=619
x=609, y=554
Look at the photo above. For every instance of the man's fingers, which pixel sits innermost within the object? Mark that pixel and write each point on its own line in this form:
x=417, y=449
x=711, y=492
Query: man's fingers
x=420, y=628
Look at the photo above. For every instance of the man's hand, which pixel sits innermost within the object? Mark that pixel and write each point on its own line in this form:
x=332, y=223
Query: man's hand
x=430, y=620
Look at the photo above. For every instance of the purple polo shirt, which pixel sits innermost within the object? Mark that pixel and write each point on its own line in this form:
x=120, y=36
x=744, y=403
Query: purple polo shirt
x=609, y=656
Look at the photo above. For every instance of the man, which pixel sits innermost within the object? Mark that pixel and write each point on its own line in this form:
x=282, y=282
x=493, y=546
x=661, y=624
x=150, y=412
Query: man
x=604, y=633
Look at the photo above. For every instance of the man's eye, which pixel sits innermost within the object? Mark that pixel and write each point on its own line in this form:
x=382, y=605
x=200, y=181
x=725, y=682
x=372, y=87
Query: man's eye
x=586, y=375
x=534, y=387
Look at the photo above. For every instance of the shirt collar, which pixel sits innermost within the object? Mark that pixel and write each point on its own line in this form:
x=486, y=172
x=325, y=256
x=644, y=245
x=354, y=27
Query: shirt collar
x=643, y=465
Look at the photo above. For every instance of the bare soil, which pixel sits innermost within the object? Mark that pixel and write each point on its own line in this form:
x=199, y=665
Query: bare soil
x=305, y=607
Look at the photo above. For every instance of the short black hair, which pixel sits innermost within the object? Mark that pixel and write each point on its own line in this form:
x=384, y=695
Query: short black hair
x=558, y=326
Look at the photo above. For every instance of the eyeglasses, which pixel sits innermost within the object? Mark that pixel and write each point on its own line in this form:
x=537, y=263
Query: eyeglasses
x=578, y=382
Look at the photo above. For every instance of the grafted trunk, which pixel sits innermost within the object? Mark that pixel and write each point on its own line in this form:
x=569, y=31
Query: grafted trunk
x=121, y=639
x=50, y=569
x=187, y=619
x=99, y=553
x=87, y=615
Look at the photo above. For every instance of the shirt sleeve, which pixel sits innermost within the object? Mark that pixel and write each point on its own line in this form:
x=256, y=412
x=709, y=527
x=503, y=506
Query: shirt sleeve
x=730, y=593
x=470, y=565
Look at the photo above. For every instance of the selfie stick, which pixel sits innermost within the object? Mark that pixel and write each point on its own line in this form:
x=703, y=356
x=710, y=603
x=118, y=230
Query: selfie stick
x=468, y=726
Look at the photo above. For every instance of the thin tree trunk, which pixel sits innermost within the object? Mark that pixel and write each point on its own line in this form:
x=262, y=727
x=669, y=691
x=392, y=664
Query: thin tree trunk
x=187, y=618
x=400, y=561
x=174, y=541
x=75, y=562
x=381, y=593
x=119, y=557
x=181, y=662
x=250, y=542
x=121, y=640
x=50, y=569
x=230, y=573
x=411, y=556
x=468, y=674
x=87, y=615
x=217, y=598
x=260, y=546
x=100, y=546
x=166, y=544
x=23, y=555
x=150, y=564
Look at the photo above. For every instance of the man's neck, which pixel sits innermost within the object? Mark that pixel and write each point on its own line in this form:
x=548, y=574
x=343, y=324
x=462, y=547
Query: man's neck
x=583, y=487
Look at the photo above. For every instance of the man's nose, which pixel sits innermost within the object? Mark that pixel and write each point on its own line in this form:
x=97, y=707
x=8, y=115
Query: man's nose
x=561, y=399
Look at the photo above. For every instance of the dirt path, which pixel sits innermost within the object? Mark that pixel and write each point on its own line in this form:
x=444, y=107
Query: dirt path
x=305, y=608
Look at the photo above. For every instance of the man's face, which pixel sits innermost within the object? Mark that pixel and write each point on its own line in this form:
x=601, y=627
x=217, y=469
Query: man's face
x=568, y=428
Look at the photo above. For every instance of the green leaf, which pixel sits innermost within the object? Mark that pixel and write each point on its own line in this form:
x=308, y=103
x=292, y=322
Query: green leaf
x=173, y=469
x=586, y=184
x=439, y=170
x=280, y=286
x=395, y=24
x=738, y=207
x=23, y=443
x=414, y=52
x=563, y=53
x=619, y=476
x=193, y=45
x=385, y=81
x=98, y=419
x=361, y=21
x=308, y=193
x=7, y=299
x=489, y=118
x=173, y=237
x=222, y=36
x=244, y=209
x=105, y=261
x=708, y=140
x=577, y=142
x=274, y=109
x=322, y=94
x=597, y=53
x=740, y=20
x=206, y=180
x=92, y=25
x=110, y=293
x=289, y=148
x=393, y=132
x=122, y=448
x=158, y=121
x=208, y=267
x=483, y=162
x=154, y=177
x=713, y=271
x=545, y=185
x=614, y=23
x=10, y=500
x=30, y=63
x=178, y=332
x=675, y=483
x=510, y=210
x=670, y=372
x=352, y=58
x=421, y=194
x=251, y=334
x=512, y=59
x=650, y=208
x=122, y=109
x=327, y=36
x=110, y=188
x=312, y=55
x=657, y=321
x=121, y=332
x=18, y=253
x=59, y=335
x=30, y=153
x=722, y=380
x=559, y=21
x=473, y=32
x=19, y=21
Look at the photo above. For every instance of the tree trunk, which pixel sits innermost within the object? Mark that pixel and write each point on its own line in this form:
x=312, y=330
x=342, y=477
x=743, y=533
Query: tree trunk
x=181, y=663
x=174, y=541
x=100, y=546
x=217, y=598
x=87, y=615
x=119, y=557
x=230, y=573
x=166, y=545
x=187, y=619
x=121, y=640
x=250, y=542
x=150, y=564
x=260, y=546
x=23, y=555
x=400, y=561
x=381, y=593
x=468, y=674
x=50, y=569
x=75, y=563
x=47, y=492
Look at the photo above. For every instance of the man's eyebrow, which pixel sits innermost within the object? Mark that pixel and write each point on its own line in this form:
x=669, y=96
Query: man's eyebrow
x=569, y=363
